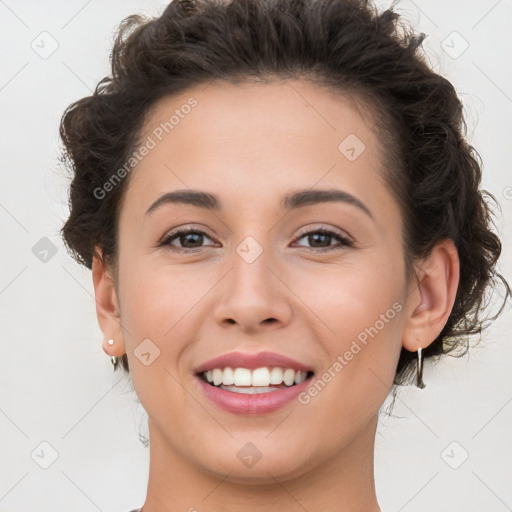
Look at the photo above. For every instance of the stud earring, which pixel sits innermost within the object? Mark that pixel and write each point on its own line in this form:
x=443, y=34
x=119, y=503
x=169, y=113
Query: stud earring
x=419, y=370
x=113, y=359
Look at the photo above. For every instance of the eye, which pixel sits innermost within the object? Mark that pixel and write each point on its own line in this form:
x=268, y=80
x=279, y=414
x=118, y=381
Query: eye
x=192, y=238
x=319, y=237
x=187, y=237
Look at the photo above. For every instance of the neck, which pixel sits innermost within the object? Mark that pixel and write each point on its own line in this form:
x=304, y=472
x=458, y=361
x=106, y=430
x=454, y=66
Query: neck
x=342, y=483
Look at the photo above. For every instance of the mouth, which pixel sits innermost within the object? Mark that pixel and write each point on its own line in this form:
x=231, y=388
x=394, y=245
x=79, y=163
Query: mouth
x=255, y=381
x=244, y=391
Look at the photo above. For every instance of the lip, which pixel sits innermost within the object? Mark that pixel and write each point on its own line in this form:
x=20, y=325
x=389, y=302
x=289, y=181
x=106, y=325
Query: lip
x=260, y=403
x=252, y=361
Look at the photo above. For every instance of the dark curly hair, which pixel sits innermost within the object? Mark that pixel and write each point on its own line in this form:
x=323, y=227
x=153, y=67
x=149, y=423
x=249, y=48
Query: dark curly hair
x=343, y=45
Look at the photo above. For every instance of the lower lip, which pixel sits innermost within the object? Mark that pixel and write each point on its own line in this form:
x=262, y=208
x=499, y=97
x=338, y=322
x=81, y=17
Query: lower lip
x=260, y=403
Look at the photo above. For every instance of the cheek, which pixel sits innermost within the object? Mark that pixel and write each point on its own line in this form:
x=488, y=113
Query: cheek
x=158, y=299
x=157, y=309
x=160, y=317
x=359, y=309
x=349, y=297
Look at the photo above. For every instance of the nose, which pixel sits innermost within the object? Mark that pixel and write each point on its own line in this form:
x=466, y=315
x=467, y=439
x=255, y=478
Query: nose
x=253, y=295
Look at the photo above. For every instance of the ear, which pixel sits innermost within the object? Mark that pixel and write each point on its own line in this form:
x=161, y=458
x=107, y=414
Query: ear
x=431, y=296
x=107, y=306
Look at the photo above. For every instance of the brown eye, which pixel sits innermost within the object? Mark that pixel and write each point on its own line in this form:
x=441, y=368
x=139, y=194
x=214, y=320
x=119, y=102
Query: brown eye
x=320, y=238
x=188, y=238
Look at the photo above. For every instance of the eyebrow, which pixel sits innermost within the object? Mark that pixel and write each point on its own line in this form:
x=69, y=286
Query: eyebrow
x=294, y=200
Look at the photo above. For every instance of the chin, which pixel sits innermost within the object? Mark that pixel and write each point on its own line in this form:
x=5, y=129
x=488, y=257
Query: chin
x=257, y=459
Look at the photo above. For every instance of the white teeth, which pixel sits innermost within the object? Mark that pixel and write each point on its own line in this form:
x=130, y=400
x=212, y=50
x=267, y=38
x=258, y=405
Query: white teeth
x=276, y=376
x=249, y=390
x=228, y=376
x=259, y=377
x=242, y=377
x=217, y=376
x=289, y=377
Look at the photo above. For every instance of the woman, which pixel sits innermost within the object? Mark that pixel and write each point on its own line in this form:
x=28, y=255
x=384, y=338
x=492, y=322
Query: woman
x=283, y=221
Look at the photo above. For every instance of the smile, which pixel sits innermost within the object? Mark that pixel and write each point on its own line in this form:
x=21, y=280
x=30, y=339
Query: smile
x=235, y=392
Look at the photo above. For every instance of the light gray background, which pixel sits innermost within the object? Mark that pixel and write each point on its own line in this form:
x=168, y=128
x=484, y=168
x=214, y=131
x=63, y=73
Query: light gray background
x=57, y=385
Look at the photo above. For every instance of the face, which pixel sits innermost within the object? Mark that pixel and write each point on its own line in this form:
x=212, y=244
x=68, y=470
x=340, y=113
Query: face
x=258, y=276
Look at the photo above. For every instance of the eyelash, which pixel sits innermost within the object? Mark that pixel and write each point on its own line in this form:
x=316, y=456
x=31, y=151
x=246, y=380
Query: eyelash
x=345, y=242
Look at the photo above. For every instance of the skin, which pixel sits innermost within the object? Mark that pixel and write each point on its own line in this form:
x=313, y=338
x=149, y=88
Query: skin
x=251, y=144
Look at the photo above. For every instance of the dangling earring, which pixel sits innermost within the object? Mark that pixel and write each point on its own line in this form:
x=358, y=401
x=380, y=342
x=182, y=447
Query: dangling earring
x=419, y=371
x=113, y=359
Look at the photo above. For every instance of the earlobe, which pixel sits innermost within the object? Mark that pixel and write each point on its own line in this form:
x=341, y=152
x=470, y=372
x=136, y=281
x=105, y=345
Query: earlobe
x=107, y=306
x=432, y=296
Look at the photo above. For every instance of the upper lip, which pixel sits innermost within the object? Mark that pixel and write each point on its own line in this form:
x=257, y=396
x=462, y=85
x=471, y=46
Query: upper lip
x=252, y=361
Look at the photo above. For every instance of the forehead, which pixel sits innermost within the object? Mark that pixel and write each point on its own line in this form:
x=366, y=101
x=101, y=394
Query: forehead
x=251, y=141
